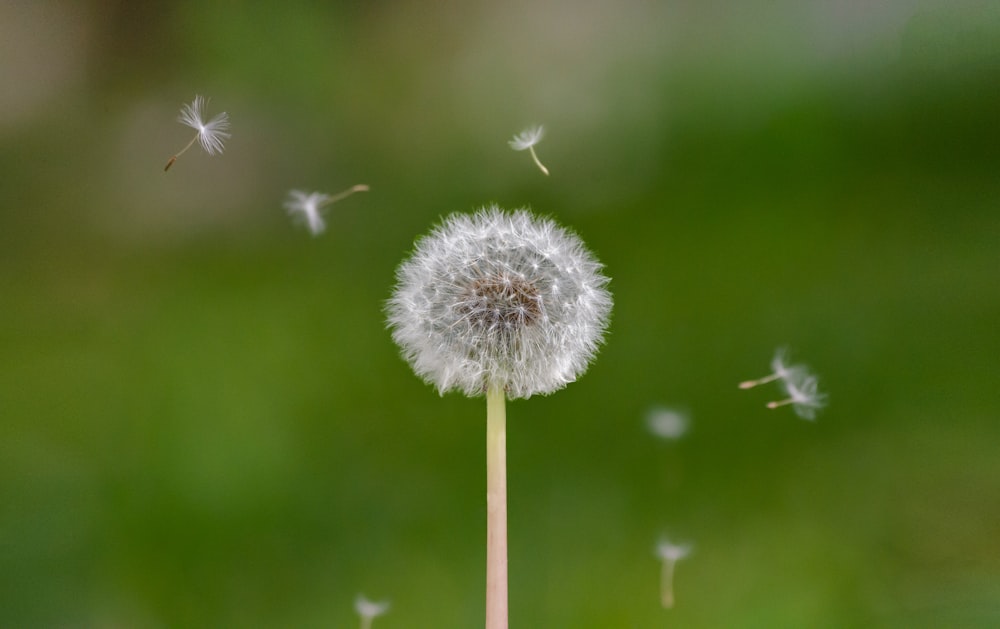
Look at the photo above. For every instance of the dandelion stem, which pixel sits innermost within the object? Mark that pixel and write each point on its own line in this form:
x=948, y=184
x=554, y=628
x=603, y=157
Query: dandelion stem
x=366, y=622
x=496, y=509
x=173, y=159
x=537, y=162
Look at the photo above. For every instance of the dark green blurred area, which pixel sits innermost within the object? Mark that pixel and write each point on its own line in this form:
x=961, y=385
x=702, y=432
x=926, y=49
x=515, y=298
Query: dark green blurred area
x=204, y=423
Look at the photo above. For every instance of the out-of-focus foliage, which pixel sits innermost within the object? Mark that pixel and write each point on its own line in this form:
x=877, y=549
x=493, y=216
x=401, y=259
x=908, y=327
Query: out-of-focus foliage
x=204, y=423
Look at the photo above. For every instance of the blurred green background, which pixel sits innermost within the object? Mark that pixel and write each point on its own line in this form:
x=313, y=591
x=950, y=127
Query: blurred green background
x=204, y=423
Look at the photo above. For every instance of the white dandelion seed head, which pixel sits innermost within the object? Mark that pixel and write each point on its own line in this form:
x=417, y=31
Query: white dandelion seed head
x=669, y=551
x=803, y=392
x=667, y=423
x=780, y=366
x=527, y=138
x=370, y=609
x=499, y=299
x=212, y=134
x=305, y=207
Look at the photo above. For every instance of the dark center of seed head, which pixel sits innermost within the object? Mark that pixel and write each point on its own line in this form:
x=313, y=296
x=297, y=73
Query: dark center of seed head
x=502, y=302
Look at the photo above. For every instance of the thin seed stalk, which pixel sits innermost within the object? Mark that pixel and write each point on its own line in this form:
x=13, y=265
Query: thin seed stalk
x=538, y=162
x=667, y=584
x=173, y=159
x=496, y=509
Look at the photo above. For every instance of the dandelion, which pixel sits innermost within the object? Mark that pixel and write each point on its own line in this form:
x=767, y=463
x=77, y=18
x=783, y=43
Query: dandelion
x=527, y=139
x=666, y=423
x=369, y=610
x=669, y=554
x=803, y=394
x=306, y=206
x=506, y=305
x=211, y=135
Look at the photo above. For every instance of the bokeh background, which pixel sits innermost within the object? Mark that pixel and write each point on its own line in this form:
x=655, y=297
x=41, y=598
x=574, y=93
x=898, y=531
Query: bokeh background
x=204, y=423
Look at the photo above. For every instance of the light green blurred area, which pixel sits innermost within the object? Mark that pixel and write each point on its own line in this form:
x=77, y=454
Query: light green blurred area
x=204, y=423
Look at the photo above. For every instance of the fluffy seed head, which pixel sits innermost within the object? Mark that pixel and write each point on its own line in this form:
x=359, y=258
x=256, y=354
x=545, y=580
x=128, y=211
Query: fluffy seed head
x=527, y=138
x=803, y=393
x=305, y=207
x=499, y=299
x=667, y=423
x=211, y=134
x=780, y=366
x=669, y=551
x=369, y=609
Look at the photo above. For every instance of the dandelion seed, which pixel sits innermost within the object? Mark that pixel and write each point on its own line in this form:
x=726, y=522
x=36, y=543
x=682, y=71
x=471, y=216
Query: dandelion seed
x=779, y=370
x=527, y=139
x=669, y=554
x=369, y=610
x=667, y=423
x=306, y=207
x=803, y=394
x=801, y=387
x=211, y=135
x=504, y=304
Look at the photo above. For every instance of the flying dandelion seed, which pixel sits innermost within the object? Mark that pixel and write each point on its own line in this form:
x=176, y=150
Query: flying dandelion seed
x=780, y=370
x=307, y=207
x=669, y=554
x=369, y=610
x=527, y=139
x=801, y=387
x=667, y=423
x=211, y=135
x=803, y=394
